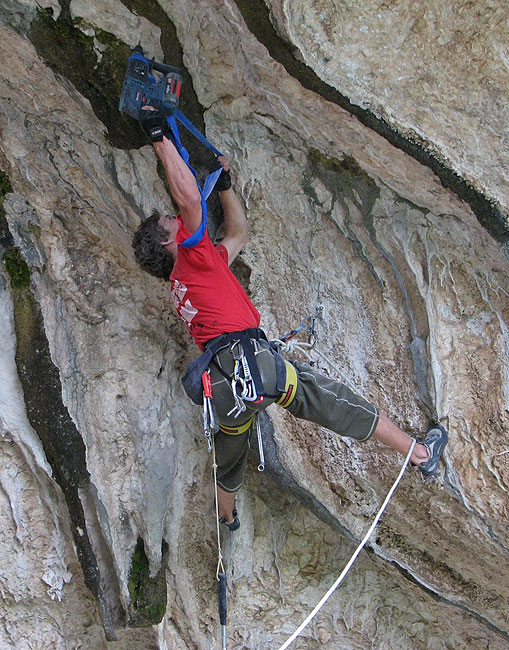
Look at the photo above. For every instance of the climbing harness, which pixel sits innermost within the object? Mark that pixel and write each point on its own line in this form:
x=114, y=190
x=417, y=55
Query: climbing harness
x=359, y=548
x=245, y=381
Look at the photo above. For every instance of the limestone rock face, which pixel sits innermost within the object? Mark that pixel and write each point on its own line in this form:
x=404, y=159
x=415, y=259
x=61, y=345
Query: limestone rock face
x=108, y=527
x=438, y=72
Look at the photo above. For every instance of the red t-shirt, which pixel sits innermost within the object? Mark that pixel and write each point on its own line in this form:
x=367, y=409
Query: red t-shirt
x=207, y=295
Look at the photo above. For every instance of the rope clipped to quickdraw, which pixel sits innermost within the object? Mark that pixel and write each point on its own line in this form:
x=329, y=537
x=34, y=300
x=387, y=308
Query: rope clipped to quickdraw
x=290, y=345
x=307, y=324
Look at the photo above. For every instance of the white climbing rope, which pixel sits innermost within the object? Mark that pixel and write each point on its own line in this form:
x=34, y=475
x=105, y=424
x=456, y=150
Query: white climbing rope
x=305, y=348
x=220, y=565
x=354, y=556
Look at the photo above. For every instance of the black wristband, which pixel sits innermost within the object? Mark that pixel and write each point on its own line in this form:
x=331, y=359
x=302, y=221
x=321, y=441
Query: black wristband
x=224, y=182
x=153, y=124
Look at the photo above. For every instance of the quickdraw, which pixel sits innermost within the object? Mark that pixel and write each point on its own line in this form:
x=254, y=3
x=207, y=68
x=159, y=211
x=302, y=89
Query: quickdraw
x=208, y=414
x=243, y=384
x=237, y=381
x=307, y=324
x=261, y=466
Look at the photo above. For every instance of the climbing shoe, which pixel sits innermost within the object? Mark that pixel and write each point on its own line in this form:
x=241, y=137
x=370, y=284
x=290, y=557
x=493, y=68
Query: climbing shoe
x=233, y=525
x=154, y=124
x=435, y=442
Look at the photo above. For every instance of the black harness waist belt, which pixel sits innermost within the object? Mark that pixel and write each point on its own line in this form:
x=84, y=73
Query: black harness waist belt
x=192, y=377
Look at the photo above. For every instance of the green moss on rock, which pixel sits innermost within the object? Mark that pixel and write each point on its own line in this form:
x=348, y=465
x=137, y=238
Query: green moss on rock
x=71, y=53
x=5, y=185
x=16, y=267
x=148, y=595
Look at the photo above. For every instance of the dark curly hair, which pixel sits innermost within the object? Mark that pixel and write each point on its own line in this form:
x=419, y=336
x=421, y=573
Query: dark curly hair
x=150, y=255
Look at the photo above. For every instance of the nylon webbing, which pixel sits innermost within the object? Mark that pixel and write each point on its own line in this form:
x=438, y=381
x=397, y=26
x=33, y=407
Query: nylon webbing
x=211, y=179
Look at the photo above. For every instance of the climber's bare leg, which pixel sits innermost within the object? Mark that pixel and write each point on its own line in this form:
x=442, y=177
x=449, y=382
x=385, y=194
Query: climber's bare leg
x=392, y=436
x=226, y=502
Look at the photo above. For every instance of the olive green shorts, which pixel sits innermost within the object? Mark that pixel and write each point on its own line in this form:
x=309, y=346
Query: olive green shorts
x=308, y=395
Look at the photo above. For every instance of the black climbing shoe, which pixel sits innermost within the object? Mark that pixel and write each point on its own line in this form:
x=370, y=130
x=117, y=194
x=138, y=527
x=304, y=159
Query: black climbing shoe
x=435, y=441
x=233, y=525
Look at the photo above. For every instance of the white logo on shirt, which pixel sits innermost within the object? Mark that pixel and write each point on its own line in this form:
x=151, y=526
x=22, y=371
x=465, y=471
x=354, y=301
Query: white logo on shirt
x=185, y=309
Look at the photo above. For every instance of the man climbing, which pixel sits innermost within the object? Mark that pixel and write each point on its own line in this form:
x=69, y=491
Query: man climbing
x=246, y=373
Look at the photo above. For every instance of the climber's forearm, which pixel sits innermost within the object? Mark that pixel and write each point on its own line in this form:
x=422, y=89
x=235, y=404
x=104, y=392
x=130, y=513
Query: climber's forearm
x=182, y=182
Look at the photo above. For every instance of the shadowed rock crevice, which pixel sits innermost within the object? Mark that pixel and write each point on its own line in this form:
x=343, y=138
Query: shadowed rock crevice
x=242, y=272
x=257, y=17
x=6, y=240
x=148, y=595
x=440, y=599
x=70, y=53
x=339, y=177
x=465, y=590
x=62, y=443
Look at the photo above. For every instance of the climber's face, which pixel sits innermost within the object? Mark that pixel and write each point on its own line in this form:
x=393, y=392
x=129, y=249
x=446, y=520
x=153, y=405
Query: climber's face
x=170, y=225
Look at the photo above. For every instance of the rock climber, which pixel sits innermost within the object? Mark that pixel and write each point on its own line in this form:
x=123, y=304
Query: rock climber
x=247, y=373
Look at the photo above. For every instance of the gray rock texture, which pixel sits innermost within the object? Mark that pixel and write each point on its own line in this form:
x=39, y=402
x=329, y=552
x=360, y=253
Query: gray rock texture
x=108, y=534
x=437, y=71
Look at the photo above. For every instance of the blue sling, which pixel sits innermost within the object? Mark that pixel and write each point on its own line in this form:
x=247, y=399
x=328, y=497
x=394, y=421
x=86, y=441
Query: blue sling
x=211, y=179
